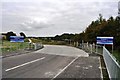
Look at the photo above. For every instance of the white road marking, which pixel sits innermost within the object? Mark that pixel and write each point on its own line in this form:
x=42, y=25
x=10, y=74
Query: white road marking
x=24, y=64
x=65, y=68
x=1, y=57
x=100, y=67
x=49, y=74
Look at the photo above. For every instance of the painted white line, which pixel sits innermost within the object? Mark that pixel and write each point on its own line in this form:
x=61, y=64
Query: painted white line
x=100, y=67
x=24, y=64
x=65, y=68
x=1, y=56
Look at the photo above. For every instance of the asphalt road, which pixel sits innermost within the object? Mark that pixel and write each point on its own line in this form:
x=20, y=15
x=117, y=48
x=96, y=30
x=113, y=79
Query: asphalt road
x=62, y=50
x=52, y=62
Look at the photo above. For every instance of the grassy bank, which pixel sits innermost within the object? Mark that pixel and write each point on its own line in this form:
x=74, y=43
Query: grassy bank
x=116, y=54
x=7, y=46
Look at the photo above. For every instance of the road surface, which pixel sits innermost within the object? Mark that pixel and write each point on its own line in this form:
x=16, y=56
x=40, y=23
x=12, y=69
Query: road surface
x=52, y=62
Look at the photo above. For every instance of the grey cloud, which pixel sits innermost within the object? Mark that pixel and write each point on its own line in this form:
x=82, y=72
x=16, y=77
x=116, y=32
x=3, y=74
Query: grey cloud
x=33, y=26
x=50, y=17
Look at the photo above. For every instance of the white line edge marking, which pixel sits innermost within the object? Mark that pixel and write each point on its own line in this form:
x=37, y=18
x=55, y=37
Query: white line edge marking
x=24, y=64
x=65, y=68
x=101, y=68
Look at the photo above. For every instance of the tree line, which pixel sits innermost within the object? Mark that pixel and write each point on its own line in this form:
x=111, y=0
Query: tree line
x=101, y=27
x=11, y=33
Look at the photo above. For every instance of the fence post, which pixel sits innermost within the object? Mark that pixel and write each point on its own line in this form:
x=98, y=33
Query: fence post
x=96, y=48
x=91, y=46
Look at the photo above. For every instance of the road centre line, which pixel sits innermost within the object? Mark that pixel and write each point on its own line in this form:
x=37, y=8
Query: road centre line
x=25, y=64
x=65, y=68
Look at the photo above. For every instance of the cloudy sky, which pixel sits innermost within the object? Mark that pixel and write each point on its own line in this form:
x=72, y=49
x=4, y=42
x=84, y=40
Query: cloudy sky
x=52, y=17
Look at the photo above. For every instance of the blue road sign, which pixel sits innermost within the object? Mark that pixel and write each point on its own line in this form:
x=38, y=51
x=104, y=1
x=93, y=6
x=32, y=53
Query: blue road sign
x=16, y=38
x=105, y=40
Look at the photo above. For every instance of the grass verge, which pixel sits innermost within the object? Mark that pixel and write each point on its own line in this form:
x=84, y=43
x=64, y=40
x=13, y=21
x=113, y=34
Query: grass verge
x=12, y=46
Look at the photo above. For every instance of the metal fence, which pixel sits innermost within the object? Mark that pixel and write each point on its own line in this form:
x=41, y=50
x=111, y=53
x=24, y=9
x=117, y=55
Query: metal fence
x=111, y=63
x=112, y=66
x=92, y=48
x=35, y=46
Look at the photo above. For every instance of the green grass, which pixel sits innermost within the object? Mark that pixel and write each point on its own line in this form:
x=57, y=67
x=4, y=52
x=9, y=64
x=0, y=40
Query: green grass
x=54, y=43
x=116, y=54
x=50, y=42
x=7, y=46
x=12, y=46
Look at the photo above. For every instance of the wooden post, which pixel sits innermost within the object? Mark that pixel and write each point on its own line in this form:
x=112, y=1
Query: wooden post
x=82, y=44
x=96, y=48
x=112, y=49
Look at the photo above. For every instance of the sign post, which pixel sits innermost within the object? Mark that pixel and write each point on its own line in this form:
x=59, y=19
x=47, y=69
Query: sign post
x=105, y=41
x=1, y=39
x=16, y=38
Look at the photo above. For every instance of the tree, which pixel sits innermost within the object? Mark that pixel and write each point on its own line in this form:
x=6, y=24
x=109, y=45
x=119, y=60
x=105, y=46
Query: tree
x=22, y=34
x=100, y=18
x=9, y=34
